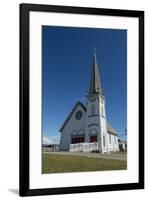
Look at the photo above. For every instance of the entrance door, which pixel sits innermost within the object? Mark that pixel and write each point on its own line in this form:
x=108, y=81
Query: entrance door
x=93, y=138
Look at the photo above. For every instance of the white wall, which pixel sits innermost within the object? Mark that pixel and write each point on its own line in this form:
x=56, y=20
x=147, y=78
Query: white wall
x=103, y=124
x=9, y=72
x=72, y=126
x=113, y=145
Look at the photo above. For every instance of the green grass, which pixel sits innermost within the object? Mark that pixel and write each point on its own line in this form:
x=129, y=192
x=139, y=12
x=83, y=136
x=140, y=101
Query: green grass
x=71, y=163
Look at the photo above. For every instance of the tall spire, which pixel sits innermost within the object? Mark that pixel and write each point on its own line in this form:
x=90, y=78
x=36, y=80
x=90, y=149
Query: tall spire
x=95, y=84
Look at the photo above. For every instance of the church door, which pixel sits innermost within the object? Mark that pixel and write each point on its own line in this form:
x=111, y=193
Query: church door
x=93, y=138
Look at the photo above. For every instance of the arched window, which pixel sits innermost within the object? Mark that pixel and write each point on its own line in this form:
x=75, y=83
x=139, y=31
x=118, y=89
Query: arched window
x=81, y=132
x=93, y=135
x=93, y=132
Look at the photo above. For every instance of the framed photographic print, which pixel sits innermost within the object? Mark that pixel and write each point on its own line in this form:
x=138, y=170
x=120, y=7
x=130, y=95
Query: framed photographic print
x=81, y=99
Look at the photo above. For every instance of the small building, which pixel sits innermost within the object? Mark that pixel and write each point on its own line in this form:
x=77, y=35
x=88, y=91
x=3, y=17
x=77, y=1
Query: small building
x=50, y=147
x=122, y=145
x=86, y=127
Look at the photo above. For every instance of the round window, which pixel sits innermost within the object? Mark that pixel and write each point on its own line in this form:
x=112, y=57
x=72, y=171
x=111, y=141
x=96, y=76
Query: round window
x=78, y=115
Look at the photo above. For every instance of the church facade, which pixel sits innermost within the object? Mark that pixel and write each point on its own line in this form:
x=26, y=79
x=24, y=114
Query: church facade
x=86, y=127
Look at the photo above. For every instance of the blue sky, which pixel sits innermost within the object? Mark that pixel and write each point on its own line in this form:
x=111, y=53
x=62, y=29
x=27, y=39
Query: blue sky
x=67, y=56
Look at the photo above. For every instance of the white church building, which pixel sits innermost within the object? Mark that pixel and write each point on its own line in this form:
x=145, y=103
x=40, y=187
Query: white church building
x=86, y=128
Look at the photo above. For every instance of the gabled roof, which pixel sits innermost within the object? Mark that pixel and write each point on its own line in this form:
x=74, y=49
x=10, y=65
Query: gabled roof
x=110, y=130
x=70, y=114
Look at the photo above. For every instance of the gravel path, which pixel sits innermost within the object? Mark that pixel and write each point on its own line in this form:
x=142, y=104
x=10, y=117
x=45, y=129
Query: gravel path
x=114, y=156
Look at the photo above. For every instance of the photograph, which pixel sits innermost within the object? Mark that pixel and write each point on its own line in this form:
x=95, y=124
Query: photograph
x=81, y=99
x=84, y=99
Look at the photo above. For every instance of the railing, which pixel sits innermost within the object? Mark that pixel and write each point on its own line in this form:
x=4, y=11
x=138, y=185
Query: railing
x=84, y=147
x=89, y=147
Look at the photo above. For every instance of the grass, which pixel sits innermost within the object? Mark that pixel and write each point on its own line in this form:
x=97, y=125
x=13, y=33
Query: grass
x=71, y=163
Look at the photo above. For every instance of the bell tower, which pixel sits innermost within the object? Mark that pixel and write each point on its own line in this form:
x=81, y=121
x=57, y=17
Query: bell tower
x=96, y=126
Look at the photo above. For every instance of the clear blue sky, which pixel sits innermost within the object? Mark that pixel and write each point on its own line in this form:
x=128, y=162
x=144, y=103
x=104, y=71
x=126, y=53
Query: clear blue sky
x=67, y=55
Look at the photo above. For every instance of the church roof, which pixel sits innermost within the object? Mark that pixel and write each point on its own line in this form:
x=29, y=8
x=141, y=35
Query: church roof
x=110, y=130
x=95, y=82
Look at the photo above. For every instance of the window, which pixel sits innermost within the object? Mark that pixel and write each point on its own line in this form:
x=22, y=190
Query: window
x=115, y=139
x=79, y=139
x=93, y=131
x=102, y=111
x=110, y=139
x=92, y=109
x=78, y=115
x=104, y=141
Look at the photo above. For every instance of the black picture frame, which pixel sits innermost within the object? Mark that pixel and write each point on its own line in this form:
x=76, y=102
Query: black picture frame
x=24, y=189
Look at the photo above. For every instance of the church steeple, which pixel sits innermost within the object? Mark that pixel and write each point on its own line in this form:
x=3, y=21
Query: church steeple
x=95, y=83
